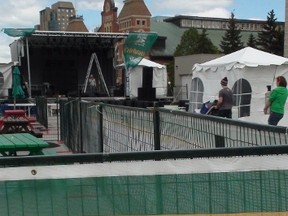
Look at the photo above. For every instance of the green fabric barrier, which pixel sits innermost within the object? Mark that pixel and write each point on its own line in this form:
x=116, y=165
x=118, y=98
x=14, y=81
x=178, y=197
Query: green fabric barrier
x=211, y=193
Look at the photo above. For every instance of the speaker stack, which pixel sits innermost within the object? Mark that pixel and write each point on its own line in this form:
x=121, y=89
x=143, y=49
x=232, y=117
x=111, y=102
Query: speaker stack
x=147, y=92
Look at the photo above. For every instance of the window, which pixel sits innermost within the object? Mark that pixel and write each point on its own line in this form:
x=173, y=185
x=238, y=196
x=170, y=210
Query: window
x=196, y=94
x=140, y=23
x=242, y=97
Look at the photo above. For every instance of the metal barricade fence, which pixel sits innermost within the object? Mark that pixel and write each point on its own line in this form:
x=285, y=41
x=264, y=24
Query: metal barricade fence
x=91, y=127
x=112, y=128
x=248, y=176
x=70, y=124
x=181, y=130
x=41, y=113
x=127, y=129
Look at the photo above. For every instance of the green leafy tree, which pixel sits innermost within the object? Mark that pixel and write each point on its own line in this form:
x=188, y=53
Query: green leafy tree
x=271, y=38
x=231, y=41
x=194, y=43
x=252, y=41
x=188, y=43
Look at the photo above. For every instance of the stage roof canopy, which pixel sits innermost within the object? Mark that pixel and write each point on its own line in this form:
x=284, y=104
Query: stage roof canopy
x=74, y=39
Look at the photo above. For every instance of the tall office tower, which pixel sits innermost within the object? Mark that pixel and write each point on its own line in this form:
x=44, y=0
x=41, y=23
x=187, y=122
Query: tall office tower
x=286, y=30
x=45, y=17
x=57, y=17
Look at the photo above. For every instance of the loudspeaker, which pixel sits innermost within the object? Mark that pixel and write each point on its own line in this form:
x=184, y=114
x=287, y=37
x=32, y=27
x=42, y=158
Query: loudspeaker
x=10, y=95
x=147, y=77
x=146, y=93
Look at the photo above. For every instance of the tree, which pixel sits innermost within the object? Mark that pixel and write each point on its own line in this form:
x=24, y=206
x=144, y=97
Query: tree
x=252, y=41
x=188, y=43
x=194, y=43
x=205, y=45
x=271, y=38
x=278, y=45
x=231, y=41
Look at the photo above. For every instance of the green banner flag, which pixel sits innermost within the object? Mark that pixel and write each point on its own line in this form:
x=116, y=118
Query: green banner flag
x=137, y=44
x=18, y=32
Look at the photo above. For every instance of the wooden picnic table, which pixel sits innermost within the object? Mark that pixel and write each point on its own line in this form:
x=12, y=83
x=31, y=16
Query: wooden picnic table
x=14, y=113
x=16, y=119
x=15, y=125
x=12, y=144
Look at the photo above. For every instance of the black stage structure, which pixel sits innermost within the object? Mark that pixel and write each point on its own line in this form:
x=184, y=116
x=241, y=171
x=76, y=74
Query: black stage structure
x=57, y=62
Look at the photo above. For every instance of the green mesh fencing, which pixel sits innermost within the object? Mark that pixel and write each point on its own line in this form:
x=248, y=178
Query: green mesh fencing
x=181, y=194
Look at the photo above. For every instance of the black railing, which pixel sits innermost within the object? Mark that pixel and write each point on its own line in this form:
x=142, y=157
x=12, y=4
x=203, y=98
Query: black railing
x=142, y=156
x=41, y=113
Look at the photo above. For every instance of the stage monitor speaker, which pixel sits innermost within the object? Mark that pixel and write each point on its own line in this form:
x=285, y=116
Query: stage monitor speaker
x=147, y=94
x=147, y=77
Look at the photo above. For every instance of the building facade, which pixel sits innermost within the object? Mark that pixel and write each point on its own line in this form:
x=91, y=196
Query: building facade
x=57, y=17
x=134, y=16
x=109, y=17
x=76, y=24
x=217, y=23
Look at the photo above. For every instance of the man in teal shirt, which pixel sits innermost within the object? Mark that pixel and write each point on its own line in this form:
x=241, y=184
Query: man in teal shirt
x=277, y=101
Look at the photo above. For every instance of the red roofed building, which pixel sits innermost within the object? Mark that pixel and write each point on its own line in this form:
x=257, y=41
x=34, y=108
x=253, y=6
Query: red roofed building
x=109, y=17
x=134, y=16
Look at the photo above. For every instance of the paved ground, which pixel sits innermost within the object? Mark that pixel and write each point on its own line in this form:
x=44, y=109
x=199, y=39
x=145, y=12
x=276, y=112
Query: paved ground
x=52, y=136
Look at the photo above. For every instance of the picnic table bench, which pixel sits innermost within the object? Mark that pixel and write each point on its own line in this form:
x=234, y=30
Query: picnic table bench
x=16, y=121
x=12, y=144
x=15, y=125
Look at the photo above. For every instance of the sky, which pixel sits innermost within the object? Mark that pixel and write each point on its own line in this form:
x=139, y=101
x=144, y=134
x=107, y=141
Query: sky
x=25, y=13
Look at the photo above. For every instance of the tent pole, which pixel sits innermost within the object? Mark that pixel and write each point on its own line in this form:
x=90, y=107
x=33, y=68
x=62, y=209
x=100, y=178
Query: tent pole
x=28, y=66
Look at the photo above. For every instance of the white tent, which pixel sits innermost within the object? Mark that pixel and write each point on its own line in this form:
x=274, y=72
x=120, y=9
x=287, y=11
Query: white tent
x=5, y=78
x=159, y=80
x=249, y=72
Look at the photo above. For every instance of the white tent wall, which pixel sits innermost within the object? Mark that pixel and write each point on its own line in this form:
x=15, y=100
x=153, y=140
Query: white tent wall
x=159, y=81
x=258, y=77
x=6, y=70
x=259, y=82
x=135, y=78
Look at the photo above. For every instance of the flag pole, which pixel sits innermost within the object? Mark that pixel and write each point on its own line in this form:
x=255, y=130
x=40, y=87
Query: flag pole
x=126, y=81
x=28, y=66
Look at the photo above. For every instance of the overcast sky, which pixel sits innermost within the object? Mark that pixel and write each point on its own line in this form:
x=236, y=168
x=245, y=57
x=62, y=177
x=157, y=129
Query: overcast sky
x=25, y=13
